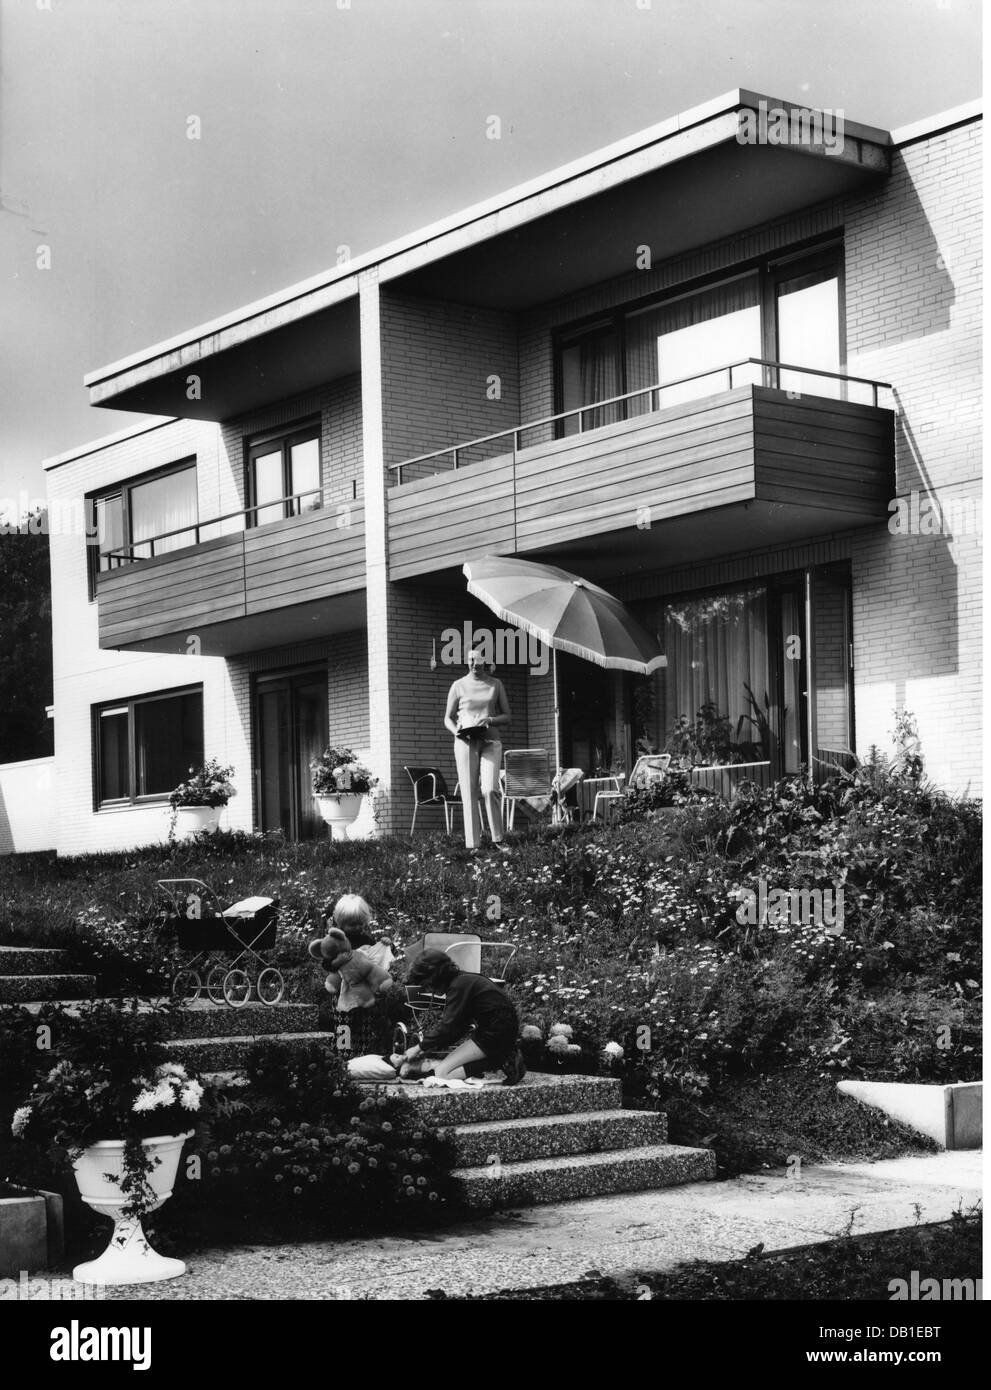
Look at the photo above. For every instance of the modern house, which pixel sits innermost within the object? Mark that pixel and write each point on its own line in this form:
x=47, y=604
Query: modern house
x=728, y=368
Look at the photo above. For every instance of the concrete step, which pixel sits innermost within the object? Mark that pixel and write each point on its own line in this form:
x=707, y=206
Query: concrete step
x=584, y=1175
x=24, y=989
x=204, y=1019
x=553, y=1136
x=31, y=960
x=539, y=1093
x=227, y=1054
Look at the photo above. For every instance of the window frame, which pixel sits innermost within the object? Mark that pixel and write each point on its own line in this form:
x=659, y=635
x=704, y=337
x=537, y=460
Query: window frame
x=101, y=803
x=123, y=490
x=816, y=253
x=285, y=437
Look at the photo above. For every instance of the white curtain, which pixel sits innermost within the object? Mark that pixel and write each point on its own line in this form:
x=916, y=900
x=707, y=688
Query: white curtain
x=716, y=646
x=164, y=504
x=589, y=373
x=694, y=333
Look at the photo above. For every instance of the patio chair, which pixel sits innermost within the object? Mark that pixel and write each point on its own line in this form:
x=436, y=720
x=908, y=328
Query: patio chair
x=479, y=957
x=526, y=774
x=430, y=789
x=648, y=771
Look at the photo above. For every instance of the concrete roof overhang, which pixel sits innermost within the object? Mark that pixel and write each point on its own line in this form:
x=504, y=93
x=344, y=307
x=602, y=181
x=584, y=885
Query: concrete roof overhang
x=733, y=163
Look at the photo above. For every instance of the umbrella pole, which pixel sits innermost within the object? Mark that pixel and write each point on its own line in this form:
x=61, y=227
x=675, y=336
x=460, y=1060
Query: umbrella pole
x=557, y=732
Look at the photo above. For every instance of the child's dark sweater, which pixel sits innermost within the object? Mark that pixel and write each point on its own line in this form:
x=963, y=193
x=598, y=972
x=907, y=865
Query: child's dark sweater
x=471, y=999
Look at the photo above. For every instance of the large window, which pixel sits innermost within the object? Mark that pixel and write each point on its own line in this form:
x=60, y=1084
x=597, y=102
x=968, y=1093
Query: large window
x=755, y=672
x=147, y=516
x=787, y=310
x=688, y=339
x=589, y=371
x=145, y=746
x=717, y=672
x=284, y=474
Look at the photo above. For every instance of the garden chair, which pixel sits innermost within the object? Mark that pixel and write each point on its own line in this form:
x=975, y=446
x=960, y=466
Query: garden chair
x=649, y=770
x=430, y=789
x=479, y=957
x=526, y=776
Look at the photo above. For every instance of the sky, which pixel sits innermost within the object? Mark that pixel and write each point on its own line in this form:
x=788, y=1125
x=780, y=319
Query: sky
x=349, y=122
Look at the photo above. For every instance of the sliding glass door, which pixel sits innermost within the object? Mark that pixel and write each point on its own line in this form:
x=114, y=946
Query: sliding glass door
x=686, y=343
x=806, y=297
x=290, y=730
x=588, y=365
x=756, y=673
x=788, y=310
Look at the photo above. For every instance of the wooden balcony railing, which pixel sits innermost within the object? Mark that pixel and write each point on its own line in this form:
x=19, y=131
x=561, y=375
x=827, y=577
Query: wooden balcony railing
x=199, y=531
x=769, y=372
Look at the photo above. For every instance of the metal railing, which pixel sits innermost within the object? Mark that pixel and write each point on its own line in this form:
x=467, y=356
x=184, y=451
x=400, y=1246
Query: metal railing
x=770, y=371
x=145, y=549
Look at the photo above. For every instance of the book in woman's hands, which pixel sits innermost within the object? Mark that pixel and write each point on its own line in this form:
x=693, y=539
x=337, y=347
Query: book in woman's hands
x=474, y=732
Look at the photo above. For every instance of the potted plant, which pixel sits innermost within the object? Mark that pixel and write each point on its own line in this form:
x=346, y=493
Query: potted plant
x=196, y=803
x=115, y=1109
x=339, y=783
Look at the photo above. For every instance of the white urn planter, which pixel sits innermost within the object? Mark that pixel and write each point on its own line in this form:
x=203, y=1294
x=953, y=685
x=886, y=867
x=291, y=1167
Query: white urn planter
x=194, y=820
x=128, y=1258
x=340, y=810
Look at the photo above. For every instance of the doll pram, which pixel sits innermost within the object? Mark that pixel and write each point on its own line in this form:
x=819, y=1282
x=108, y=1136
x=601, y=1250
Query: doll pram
x=207, y=929
x=473, y=955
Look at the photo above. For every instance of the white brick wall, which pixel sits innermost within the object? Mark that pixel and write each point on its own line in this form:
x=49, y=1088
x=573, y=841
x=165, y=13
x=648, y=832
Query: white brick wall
x=28, y=804
x=914, y=319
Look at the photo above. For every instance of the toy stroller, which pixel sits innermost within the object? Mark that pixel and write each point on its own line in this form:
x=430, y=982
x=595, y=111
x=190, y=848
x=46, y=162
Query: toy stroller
x=426, y=1007
x=207, y=929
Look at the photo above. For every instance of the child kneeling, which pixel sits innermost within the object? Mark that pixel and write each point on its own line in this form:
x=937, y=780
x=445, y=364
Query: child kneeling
x=470, y=1002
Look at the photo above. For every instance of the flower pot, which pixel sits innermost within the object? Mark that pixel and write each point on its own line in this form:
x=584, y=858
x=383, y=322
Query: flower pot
x=194, y=820
x=340, y=810
x=128, y=1258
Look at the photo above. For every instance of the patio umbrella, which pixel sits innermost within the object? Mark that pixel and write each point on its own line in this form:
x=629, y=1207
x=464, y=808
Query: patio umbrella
x=566, y=612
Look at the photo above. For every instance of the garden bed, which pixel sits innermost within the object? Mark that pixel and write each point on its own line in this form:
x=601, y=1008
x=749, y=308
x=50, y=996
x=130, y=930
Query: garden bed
x=639, y=946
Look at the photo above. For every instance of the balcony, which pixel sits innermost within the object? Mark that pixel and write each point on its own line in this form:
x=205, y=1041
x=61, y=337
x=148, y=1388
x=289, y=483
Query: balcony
x=237, y=587
x=747, y=466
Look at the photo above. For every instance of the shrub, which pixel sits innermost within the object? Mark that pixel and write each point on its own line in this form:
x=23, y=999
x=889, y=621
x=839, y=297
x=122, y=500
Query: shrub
x=302, y=1149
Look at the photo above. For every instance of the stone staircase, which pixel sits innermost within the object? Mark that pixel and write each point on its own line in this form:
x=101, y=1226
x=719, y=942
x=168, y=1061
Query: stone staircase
x=215, y=1038
x=555, y=1138
x=550, y=1139
x=30, y=974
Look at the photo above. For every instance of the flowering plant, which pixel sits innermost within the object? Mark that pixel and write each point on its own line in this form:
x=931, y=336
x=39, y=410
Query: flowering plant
x=112, y=1080
x=338, y=770
x=209, y=785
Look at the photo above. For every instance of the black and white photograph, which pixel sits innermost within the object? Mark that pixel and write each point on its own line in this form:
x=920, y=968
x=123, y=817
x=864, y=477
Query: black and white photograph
x=491, y=692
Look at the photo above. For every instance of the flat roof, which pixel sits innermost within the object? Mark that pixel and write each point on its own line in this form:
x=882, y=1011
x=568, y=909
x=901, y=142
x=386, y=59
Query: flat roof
x=341, y=282
x=334, y=292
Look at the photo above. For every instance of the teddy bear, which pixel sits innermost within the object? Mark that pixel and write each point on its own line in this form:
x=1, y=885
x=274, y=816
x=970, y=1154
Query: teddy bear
x=354, y=978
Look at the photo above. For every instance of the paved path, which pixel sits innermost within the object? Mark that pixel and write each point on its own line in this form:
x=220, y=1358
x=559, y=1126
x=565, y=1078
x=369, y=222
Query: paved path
x=559, y=1243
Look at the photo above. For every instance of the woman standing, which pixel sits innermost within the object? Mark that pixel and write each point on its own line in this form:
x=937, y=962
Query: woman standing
x=477, y=709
